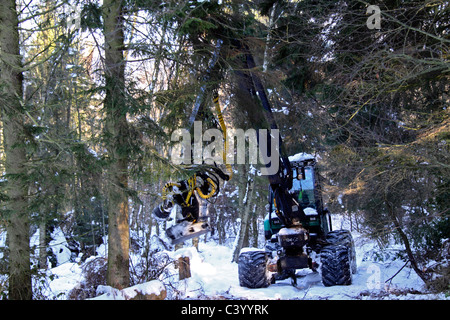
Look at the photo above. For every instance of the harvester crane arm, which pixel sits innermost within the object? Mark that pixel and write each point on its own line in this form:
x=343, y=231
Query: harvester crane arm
x=205, y=181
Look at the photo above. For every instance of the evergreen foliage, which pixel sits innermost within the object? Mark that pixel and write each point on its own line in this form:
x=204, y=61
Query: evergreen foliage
x=99, y=105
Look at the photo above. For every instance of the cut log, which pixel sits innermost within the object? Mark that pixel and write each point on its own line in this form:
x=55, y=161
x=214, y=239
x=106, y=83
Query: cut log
x=184, y=267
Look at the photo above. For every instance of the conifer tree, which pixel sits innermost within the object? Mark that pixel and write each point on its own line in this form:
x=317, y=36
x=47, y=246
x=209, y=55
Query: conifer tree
x=116, y=135
x=383, y=96
x=62, y=168
x=12, y=113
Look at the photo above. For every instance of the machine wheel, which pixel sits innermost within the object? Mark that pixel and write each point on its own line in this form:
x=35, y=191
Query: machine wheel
x=336, y=268
x=252, y=266
x=344, y=238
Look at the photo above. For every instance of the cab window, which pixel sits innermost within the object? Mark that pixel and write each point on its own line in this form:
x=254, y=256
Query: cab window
x=303, y=190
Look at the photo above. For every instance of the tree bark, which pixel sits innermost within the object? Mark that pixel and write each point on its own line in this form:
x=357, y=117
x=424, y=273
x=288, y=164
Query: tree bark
x=243, y=235
x=117, y=144
x=42, y=245
x=15, y=154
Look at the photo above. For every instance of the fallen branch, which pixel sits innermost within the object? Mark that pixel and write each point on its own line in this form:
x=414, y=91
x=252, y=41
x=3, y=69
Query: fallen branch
x=391, y=278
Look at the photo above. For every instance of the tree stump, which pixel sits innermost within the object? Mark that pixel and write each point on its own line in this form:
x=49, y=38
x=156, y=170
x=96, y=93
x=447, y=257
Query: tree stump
x=184, y=268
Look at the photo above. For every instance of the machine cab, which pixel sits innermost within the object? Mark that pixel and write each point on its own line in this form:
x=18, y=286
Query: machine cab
x=307, y=192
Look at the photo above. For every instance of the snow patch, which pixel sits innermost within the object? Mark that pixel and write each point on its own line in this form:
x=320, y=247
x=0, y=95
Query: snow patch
x=65, y=277
x=302, y=156
x=290, y=231
x=310, y=211
x=59, y=246
x=246, y=249
x=146, y=289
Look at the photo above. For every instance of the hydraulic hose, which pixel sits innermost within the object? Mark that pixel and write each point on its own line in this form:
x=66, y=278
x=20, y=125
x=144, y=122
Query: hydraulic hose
x=225, y=137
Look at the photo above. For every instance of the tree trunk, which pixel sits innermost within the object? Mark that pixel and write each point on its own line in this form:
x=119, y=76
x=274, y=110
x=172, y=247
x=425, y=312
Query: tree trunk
x=255, y=233
x=15, y=154
x=266, y=50
x=243, y=235
x=116, y=135
x=42, y=245
x=405, y=241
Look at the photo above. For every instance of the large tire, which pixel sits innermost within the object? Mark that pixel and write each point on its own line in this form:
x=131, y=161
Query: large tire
x=344, y=238
x=335, y=266
x=252, y=266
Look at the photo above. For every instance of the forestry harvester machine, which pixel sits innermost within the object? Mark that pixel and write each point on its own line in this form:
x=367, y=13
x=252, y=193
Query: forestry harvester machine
x=297, y=224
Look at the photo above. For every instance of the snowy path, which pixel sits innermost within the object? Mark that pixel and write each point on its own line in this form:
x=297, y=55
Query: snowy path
x=214, y=276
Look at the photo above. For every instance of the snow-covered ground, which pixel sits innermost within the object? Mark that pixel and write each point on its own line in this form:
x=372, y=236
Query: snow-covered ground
x=214, y=276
